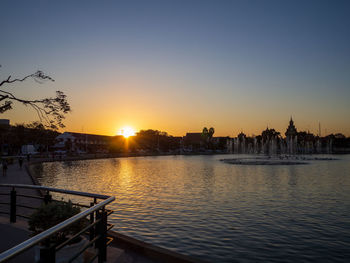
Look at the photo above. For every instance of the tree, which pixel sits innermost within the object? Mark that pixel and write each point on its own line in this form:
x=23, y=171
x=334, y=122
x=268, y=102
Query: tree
x=211, y=133
x=51, y=111
x=149, y=139
x=39, y=136
x=207, y=134
x=12, y=138
x=269, y=134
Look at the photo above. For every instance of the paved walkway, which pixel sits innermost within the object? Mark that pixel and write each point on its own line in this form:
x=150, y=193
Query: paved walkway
x=17, y=175
x=14, y=233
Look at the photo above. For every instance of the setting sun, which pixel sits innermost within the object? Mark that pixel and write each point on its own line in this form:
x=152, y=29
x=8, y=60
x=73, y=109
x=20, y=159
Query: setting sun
x=127, y=132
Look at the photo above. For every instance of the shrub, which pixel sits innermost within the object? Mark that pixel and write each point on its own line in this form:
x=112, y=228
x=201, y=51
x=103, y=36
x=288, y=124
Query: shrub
x=53, y=213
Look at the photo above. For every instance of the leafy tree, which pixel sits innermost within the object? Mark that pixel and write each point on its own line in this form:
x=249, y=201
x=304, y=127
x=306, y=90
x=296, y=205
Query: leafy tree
x=155, y=141
x=269, y=134
x=40, y=136
x=211, y=132
x=13, y=137
x=150, y=139
x=207, y=135
x=51, y=111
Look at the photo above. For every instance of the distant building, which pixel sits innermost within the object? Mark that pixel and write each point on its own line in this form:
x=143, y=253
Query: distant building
x=339, y=136
x=291, y=137
x=28, y=149
x=291, y=130
x=193, y=141
x=4, y=122
x=221, y=143
x=82, y=142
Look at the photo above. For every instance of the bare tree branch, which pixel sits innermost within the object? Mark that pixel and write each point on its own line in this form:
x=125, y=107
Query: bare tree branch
x=50, y=110
x=39, y=75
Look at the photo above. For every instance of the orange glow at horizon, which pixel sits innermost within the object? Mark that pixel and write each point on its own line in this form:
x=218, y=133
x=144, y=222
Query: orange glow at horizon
x=127, y=131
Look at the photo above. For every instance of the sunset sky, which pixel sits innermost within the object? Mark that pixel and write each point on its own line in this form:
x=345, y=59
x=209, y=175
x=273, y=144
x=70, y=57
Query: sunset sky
x=178, y=66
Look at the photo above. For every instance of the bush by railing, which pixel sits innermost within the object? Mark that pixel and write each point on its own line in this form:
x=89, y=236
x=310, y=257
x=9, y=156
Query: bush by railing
x=96, y=228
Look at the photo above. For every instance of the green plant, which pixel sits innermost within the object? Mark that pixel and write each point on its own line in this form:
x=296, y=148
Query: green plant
x=53, y=213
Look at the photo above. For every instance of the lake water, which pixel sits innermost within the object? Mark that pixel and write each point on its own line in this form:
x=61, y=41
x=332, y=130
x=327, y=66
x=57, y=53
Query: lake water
x=199, y=206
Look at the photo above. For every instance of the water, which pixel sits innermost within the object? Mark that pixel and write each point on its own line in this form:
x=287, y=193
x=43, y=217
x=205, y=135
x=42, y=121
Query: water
x=199, y=206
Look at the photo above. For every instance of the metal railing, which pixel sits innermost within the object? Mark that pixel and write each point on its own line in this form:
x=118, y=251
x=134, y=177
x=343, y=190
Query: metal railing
x=96, y=229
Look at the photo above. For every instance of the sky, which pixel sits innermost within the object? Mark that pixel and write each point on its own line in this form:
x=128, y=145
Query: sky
x=178, y=66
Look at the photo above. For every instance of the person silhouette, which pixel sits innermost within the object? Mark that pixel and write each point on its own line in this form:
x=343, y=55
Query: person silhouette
x=20, y=161
x=4, y=167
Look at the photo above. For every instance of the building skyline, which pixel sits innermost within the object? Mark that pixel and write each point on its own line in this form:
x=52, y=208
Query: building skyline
x=290, y=130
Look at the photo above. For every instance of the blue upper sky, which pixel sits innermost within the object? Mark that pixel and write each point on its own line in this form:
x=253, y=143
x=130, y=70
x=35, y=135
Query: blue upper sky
x=181, y=65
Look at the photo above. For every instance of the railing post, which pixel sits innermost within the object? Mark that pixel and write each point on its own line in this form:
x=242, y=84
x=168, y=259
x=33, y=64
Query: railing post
x=102, y=231
x=47, y=198
x=92, y=218
x=47, y=254
x=13, y=204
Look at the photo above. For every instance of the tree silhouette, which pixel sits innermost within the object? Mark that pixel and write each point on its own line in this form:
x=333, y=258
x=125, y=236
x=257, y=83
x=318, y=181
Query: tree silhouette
x=207, y=135
x=269, y=134
x=51, y=111
x=211, y=132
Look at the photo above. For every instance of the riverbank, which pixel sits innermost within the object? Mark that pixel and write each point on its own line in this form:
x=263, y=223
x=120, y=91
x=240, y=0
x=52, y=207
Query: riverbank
x=77, y=157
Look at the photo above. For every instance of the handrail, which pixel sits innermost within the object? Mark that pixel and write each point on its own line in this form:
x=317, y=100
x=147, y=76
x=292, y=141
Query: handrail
x=10, y=253
x=51, y=189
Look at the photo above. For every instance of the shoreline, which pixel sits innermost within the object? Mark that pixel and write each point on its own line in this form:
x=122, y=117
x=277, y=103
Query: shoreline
x=45, y=158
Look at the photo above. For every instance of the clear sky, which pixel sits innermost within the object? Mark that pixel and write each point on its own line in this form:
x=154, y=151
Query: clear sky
x=178, y=66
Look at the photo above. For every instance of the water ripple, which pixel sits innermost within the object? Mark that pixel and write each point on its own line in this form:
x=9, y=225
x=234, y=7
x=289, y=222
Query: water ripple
x=202, y=207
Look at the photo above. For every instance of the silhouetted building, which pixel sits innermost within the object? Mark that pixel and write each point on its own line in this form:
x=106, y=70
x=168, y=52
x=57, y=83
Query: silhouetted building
x=4, y=122
x=82, y=142
x=193, y=141
x=291, y=138
x=220, y=144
